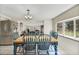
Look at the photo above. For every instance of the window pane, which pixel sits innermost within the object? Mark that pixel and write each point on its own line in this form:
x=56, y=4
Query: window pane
x=69, y=28
x=59, y=28
x=77, y=28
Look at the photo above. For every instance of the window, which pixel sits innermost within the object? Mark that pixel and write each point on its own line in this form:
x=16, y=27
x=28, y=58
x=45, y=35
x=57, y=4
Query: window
x=69, y=28
x=59, y=28
x=77, y=28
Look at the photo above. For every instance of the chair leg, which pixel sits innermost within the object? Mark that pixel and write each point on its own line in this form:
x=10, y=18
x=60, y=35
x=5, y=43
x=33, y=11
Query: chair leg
x=15, y=48
x=55, y=47
x=24, y=51
x=36, y=49
x=47, y=52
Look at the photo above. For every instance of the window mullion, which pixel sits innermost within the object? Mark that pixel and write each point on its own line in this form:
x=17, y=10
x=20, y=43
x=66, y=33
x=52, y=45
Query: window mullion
x=63, y=28
x=74, y=28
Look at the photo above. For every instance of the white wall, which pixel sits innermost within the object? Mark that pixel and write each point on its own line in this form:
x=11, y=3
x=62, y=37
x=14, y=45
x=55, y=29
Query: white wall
x=47, y=26
x=29, y=24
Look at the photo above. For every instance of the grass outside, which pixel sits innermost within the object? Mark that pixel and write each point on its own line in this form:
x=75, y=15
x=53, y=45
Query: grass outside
x=60, y=32
x=77, y=34
x=70, y=33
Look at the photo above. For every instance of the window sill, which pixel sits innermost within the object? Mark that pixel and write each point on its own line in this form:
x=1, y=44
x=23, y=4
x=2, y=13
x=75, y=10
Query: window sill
x=69, y=37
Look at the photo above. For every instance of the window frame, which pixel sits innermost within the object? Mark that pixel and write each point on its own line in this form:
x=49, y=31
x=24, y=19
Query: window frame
x=74, y=27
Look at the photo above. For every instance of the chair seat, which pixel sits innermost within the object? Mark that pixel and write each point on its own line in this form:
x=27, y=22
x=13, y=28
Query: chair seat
x=43, y=46
x=29, y=46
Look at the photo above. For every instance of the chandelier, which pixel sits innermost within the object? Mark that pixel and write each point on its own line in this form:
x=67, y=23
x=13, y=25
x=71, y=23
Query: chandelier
x=28, y=16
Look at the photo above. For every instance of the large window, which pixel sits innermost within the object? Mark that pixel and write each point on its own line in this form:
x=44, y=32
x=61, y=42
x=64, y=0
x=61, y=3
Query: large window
x=77, y=28
x=59, y=28
x=69, y=28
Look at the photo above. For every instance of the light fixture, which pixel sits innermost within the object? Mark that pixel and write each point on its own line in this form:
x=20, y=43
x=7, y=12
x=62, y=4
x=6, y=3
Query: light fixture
x=28, y=16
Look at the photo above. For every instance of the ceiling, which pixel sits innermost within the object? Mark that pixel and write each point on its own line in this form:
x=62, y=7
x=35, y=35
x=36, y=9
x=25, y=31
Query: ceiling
x=38, y=11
